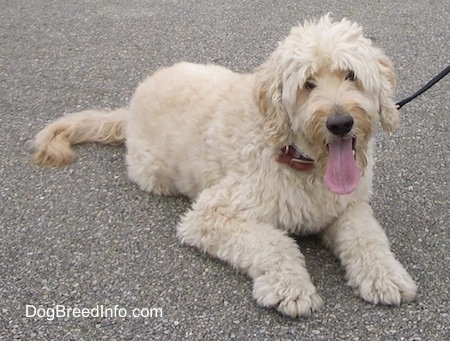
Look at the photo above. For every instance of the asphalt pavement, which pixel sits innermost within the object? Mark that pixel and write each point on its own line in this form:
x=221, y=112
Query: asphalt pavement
x=85, y=237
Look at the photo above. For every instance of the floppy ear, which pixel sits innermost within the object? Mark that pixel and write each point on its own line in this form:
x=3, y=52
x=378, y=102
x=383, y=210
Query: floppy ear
x=389, y=116
x=275, y=93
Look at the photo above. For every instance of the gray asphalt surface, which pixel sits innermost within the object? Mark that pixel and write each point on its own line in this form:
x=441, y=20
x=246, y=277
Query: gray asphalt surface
x=84, y=235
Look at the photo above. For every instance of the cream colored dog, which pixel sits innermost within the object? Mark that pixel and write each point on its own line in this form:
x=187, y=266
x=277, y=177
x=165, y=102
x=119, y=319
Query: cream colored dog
x=287, y=149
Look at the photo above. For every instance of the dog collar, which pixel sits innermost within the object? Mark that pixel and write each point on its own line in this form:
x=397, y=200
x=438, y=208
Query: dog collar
x=292, y=156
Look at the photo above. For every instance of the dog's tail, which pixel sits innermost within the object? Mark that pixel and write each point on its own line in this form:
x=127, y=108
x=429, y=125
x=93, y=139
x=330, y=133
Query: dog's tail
x=52, y=144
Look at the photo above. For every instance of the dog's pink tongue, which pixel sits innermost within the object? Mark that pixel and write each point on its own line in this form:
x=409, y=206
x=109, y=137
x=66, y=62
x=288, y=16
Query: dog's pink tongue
x=342, y=173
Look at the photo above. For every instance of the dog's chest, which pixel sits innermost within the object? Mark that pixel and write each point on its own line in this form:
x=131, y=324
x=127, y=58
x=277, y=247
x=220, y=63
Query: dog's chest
x=304, y=206
x=305, y=212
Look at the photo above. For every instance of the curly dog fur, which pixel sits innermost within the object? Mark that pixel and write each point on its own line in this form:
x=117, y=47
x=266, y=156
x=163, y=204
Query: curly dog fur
x=215, y=136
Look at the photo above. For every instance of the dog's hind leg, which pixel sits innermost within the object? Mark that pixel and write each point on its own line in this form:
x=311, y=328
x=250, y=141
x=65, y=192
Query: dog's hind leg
x=147, y=169
x=267, y=254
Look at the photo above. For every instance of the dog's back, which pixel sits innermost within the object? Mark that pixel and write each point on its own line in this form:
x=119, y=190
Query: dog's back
x=184, y=135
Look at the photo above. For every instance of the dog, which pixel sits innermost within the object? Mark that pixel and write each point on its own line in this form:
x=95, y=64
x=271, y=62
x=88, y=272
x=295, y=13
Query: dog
x=287, y=149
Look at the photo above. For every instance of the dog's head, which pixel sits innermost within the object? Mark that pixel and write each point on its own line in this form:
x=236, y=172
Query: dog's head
x=325, y=89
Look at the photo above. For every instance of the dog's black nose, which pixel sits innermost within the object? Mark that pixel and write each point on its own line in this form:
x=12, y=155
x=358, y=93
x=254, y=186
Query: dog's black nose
x=340, y=124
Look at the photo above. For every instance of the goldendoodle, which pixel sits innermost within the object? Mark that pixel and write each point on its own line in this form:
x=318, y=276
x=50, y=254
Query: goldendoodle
x=286, y=149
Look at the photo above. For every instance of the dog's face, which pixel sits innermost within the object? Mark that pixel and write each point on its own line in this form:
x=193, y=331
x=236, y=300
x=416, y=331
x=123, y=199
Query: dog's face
x=325, y=89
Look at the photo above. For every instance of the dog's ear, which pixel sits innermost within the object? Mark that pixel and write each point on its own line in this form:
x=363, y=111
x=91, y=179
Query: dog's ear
x=275, y=94
x=389, y=116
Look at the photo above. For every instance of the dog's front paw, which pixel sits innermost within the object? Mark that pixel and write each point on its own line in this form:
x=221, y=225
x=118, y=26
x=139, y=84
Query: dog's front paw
x=293, y=296
x=386, y=283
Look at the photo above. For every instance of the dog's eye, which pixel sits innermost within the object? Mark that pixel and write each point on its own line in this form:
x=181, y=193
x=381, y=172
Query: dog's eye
x=350, y=76
x=310, y=85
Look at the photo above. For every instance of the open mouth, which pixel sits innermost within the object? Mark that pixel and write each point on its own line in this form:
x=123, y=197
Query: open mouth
x=342, y=172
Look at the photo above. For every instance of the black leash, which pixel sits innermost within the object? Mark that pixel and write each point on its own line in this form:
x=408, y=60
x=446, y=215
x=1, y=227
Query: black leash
x=436, y=79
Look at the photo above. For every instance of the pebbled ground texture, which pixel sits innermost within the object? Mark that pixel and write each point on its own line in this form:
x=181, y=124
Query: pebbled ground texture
x=84, y=236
